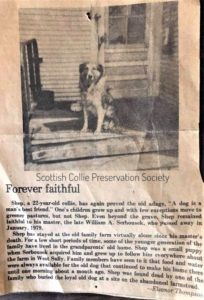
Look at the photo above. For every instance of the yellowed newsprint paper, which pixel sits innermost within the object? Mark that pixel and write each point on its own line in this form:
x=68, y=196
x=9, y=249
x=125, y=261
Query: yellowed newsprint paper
x=100, y=184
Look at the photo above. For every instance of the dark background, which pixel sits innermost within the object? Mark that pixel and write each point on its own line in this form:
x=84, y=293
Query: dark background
x=57, y=296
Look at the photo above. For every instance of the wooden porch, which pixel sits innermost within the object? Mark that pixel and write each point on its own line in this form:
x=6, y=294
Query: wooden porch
x=55, y=139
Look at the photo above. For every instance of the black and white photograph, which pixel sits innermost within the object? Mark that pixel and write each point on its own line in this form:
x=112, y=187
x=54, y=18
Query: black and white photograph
x=100, y=87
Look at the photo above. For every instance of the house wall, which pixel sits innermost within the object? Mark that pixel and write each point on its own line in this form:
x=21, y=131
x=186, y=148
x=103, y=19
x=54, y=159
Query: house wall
x=126, y=68
x=64, y=41
x=169, y=80
x=133, y=70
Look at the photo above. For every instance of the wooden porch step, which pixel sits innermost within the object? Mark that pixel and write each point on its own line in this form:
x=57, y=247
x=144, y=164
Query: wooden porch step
x=78, y=136
x=76, y=145
x=86, y=148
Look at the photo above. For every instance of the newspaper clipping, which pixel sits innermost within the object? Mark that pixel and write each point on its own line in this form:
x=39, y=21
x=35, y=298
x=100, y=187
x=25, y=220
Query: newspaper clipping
x=100, y=184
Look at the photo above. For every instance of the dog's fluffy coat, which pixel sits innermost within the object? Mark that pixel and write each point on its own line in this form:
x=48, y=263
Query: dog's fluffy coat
x=92, y=87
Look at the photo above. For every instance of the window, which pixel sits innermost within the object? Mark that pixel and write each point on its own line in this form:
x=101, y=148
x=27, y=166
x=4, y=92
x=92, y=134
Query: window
x=127, y=24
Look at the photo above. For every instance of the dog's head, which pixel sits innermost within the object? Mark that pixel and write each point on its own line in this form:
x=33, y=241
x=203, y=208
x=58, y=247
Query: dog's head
x=89, y=74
